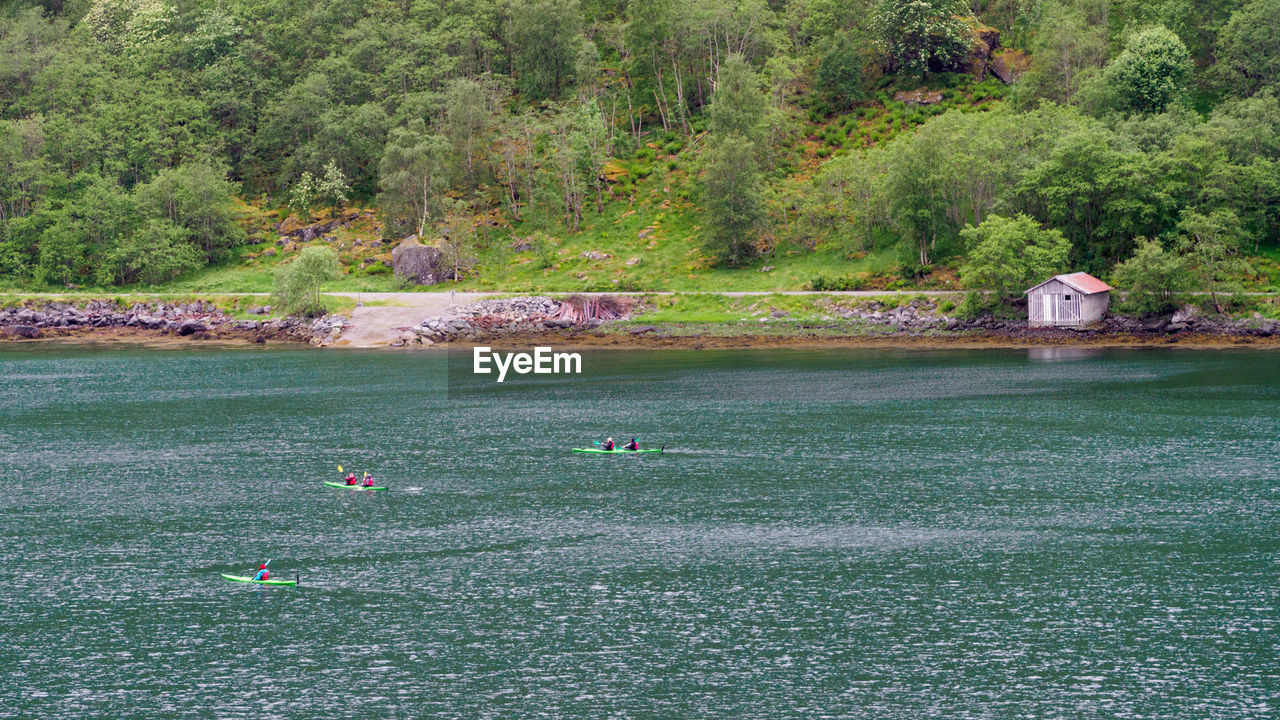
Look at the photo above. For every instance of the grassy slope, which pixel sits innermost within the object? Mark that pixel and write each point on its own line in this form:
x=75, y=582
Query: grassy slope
x=650, y=214
x=650, y=217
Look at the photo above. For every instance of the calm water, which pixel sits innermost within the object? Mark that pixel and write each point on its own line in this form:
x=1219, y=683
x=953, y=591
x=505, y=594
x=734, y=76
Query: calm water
x=843, y=534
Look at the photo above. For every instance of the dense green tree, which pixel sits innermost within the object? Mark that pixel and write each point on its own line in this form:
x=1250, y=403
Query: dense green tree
x=196, y=199
x=1249, y=46
x=127, y=25
x=155, y=252
x=840, y=72
x=1151, y=277
x=1071, y=43
x=84, y=230
x=1152, y=72
x=23, y=166
x=738, y=105
x=466, y=118
x=413, y=175
x=546, y=36
x=1212, y=249
x=28, y=44
x=733, y=200
x=110, y=108
x=1008, y=255
x=458, y=243
x=1098, y=193
x=917, y=33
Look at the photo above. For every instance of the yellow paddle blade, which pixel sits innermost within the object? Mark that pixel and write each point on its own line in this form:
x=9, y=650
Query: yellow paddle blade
x=339, y=468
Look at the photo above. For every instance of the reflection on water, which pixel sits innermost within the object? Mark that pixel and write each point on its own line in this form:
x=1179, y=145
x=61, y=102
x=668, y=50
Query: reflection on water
x=841, y=533
x=1056, y=354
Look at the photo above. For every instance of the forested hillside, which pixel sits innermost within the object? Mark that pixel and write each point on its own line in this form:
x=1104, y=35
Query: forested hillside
x=600, y=144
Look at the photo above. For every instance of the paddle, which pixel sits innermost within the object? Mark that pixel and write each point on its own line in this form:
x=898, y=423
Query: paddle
x=340, y=470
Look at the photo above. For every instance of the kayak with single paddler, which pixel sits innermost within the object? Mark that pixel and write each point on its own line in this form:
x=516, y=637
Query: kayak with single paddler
x=245, y=579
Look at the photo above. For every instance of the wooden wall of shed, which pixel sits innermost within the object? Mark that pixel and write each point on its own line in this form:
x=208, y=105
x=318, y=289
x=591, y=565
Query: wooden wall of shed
x=1093, y=307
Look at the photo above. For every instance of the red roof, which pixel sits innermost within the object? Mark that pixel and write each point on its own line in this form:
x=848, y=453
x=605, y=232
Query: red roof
x=1082, y=281
x=1085, y=283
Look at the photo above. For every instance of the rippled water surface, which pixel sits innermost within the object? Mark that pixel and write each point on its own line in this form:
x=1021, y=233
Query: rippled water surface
x=838, y=534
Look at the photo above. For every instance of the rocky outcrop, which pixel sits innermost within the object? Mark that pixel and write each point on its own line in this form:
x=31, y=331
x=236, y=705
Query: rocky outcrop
x=417, y=263
x=197, y=320
x=983, y=40
x=1009, y=65
x=324, y=330
x=923, y=96
x=290, y=229
x=489, y=319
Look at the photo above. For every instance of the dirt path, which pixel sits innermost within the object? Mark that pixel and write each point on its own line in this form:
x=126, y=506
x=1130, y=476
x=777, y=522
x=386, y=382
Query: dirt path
x=379, y=324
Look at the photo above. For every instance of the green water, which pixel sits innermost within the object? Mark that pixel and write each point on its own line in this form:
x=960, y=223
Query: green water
x=841, y=534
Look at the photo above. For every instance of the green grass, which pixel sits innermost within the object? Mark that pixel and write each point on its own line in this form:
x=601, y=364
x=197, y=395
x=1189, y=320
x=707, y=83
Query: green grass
x=233, y=305
x=759, y=310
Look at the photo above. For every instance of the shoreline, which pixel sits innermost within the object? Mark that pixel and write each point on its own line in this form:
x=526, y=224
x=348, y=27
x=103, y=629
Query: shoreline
x=673, y=322
x=131, y=337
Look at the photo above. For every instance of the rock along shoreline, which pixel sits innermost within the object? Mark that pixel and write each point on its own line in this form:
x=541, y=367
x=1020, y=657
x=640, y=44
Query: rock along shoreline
x=589, y=322
x=199, y=320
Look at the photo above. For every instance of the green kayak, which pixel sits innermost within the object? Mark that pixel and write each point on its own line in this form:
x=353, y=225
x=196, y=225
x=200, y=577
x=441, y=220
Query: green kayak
x=242, y=578
x=616, y=452
x=354, y=487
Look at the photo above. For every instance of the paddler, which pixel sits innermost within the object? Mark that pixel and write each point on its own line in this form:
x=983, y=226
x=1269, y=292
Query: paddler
x=633, y=445
x=263, y=572
x=351, y=478
x=608, y=444
x=368, y=480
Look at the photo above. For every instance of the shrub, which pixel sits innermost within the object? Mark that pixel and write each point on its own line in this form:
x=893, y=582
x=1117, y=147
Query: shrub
x=1008, y=255
x=822, y=283
x=298, y=283
x=1152, y=277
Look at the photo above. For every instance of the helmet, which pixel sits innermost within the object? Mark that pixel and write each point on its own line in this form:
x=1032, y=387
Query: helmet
x=610, y=439
x=263, y=566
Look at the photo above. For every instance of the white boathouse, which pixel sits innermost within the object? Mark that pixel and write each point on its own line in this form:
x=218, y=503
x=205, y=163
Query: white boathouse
x=1067, y=301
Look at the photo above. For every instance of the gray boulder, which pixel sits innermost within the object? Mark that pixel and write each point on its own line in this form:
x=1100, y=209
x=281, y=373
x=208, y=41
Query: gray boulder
x=416, y=263
x=24, y=331
x=190, y=327
x=1184, y=314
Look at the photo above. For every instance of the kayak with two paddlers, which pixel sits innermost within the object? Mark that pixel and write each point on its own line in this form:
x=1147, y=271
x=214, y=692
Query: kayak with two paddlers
x=608, y=447
x=351, y=483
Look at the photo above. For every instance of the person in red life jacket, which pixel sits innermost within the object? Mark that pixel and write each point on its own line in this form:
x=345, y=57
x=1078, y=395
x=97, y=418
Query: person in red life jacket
x=608, y=444
x=368, y=480
x=633, y=445
x=263, y=573
x=351, y=478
